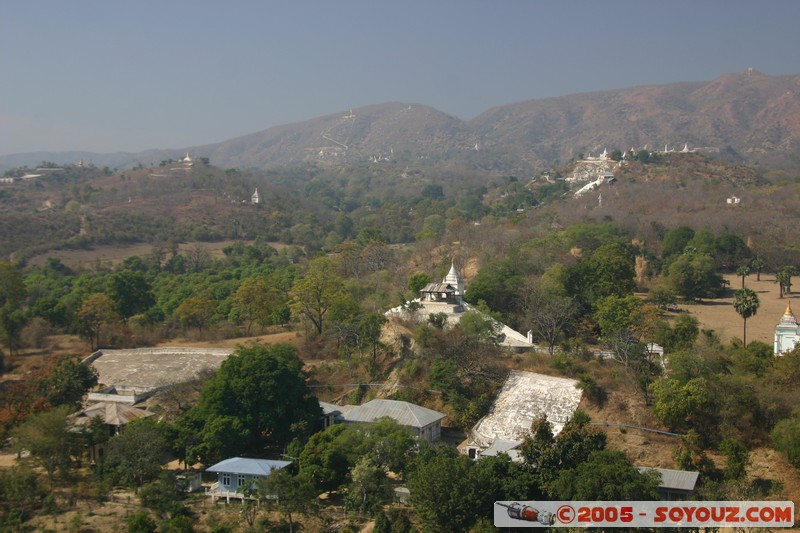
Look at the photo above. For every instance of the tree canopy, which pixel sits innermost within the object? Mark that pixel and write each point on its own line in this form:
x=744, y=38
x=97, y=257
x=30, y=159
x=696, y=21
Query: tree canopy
x=258, y=400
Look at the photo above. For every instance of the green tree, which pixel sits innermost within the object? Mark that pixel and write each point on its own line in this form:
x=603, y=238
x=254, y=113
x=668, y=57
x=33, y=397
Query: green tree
x=132, y=292
x=257, y=301
x=683, y=335
x=140, y=523
x=743, y=271
x=703, y=242
x=499, y=478
x=605, y=475
x=663, y=298
x=497, y=284
x=675, y=240
x=786, y=439
x=737, y=458
x=178, y=524
x=784, y=279
x=616, y=313
x=12, y=296
x=12, y=322
x=480, y=325
x=213, y=438
x=433, y=190
x=369, y=486
x=66, y=381
x=548, y=455
x=417, y=282
x=369, y=329
x=758, y=265
x=289, y=495
x=609, y=270
x=549, y=312
x=96, y=311
x=12, y=285
x=196, y=312
x=594, y=392
x=433, y=227
x=438, y=484
x=589, y=237
x=690, y=455
x=390, y=445
x=48, y=438
x=689, y=405
x=134, y=456
x=746, y=303
x=755, y=358
x=328, y=456
x=693, y=276
x=262, y=392
x=21, y=494
x=312, y=296
x=165, y=495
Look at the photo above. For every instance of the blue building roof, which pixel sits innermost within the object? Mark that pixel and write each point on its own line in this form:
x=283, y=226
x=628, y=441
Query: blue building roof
x=244, y=465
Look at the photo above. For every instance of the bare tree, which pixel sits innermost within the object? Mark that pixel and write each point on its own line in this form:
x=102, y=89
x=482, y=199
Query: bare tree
x=198, y=258
x=627, y=349
x=549, y=313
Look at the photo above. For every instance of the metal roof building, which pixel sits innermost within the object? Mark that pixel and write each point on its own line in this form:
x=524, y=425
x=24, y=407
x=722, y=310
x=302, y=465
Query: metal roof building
x=245, y=465
x=114, y=415
x=237, y=473
x=675, y=484
x=425, y=423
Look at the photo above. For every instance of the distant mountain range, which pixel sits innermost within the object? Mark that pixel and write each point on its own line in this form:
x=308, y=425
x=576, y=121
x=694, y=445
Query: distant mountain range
x=742, y=117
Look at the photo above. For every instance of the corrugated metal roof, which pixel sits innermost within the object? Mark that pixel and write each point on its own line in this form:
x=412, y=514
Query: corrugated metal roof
x=244, y=465
x=404, y=413
x=500, y=446
x=674, y=479
x=330, y=408
x=508, y=447
x=438, y=287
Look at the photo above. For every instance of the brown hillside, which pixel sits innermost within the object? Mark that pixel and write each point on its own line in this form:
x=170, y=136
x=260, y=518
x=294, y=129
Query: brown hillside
x=740, y=116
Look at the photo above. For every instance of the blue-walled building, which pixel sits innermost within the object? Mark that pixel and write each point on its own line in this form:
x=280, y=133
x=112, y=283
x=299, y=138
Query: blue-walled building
x=237, y=472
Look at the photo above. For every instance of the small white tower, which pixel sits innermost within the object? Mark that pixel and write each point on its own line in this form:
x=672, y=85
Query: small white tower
x=454, y=278
x=787, y=333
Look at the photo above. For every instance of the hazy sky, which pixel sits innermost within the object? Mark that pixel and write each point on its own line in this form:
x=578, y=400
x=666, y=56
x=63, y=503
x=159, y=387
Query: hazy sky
x=106, y=76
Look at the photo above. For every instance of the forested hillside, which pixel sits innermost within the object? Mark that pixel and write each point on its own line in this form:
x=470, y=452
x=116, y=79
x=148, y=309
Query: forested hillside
x=323, y=255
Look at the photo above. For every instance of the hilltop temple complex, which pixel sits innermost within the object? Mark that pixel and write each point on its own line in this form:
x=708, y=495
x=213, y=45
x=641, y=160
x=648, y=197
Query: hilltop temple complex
x=447, y=297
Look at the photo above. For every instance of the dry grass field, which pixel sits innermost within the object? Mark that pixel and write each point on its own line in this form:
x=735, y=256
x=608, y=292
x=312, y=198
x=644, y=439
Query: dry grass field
x=719, y=315
x=112, y=255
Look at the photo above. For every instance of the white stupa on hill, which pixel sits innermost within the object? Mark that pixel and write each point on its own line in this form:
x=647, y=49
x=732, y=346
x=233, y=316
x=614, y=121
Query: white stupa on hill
x=448, y=297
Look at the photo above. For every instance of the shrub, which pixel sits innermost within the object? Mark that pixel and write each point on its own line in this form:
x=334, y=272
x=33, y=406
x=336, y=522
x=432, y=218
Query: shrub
x=141, y=523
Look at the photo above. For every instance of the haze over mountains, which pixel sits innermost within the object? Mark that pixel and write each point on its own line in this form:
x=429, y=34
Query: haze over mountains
x=744, y=116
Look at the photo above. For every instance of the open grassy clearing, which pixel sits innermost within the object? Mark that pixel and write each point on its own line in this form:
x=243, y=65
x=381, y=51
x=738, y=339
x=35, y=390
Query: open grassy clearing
x=113, y=255
x=718, y=314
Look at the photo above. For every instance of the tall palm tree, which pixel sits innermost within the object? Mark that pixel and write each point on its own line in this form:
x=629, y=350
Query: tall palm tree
x=784, y=279
x=746, y=303
x=758, y=265
x=743, y=271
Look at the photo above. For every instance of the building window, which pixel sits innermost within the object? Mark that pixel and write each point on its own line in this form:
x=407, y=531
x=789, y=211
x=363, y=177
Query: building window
x=241, y=480
x=226, y=479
